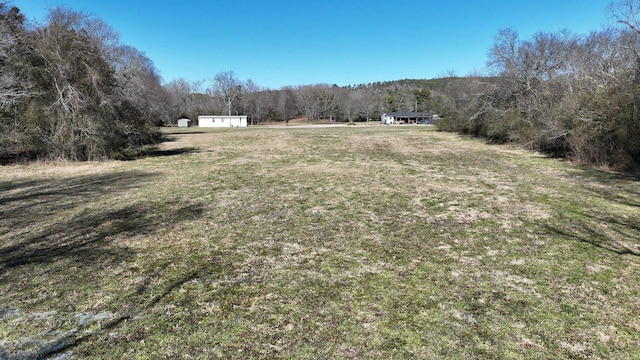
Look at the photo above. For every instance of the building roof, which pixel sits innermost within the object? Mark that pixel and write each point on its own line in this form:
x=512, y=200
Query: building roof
x=407, y=114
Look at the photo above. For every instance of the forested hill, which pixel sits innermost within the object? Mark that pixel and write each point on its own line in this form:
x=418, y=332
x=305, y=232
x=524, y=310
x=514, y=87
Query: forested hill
x=435, y=84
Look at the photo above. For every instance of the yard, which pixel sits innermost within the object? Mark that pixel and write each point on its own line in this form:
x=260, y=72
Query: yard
x=348, y=242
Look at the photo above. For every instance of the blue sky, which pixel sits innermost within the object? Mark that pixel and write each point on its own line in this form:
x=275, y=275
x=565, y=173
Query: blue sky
x=294, y=42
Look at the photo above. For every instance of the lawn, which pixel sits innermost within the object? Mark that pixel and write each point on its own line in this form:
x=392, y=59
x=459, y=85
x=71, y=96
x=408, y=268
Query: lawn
x=344, y=242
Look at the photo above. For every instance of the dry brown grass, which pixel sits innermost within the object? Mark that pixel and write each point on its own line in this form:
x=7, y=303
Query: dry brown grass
x=319, y=242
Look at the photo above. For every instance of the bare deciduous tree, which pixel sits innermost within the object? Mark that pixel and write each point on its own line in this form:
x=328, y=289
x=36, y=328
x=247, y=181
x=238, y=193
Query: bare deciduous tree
x=286, y=104
x=140, y=85
x=184, y=97
x=255, y=101
x=13, y=84
x=228, y=87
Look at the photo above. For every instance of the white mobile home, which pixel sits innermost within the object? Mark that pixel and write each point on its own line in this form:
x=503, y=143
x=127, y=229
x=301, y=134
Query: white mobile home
x=222, y=121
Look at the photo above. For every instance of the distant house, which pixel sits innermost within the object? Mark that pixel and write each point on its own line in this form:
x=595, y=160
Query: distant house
x=222, y=121
x=183, y=123
x=407, y=118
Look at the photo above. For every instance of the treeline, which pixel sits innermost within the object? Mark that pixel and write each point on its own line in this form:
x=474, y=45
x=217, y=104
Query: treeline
x=559, y=93
x=70, y=90
x=226, y=94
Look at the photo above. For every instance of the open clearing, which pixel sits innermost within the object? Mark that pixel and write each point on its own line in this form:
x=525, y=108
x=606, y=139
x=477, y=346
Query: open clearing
x=346, y=242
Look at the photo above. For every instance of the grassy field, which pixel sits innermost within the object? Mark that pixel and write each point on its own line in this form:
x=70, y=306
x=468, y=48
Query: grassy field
x=345, y=242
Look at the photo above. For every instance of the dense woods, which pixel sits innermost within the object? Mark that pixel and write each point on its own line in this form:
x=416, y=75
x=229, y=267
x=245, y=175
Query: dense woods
x=566, y=95
x=70, y=90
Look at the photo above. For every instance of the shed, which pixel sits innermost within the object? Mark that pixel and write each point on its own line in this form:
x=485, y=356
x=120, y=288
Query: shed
x=224, y=121
x=183, y=123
